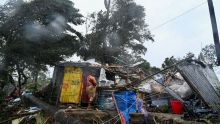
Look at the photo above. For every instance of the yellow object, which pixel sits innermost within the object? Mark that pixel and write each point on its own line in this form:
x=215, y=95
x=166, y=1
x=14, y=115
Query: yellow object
x=72, y=85
x=141, y=95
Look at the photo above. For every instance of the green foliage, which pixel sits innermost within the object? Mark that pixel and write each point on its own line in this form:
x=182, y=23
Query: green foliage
x=42, y=81
x=169, y=61
x=49, y=49
x=189, y=55
x=119, y=32
x=165, y=108
x=147, y=68
x=155, y=69
x=208, y=55
x=34, y=35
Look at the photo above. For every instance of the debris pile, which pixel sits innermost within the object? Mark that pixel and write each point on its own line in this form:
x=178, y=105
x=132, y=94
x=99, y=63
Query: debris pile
x=87, y=92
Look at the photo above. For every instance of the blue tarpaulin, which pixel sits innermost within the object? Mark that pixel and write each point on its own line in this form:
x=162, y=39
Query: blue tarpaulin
x=126, y=103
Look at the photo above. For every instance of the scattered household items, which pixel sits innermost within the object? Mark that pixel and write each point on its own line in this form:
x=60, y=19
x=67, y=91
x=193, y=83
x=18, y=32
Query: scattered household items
x=192, y=78
x=196, y=110
x=88, y=92
x=162, y=92
x=86, y=87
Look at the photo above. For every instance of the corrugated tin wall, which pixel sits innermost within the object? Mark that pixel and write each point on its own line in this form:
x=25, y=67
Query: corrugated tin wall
x=201, y=79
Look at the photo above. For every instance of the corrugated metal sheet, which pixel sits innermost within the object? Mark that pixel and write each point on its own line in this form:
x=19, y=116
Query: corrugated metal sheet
x=212, y=78
x=200, y=79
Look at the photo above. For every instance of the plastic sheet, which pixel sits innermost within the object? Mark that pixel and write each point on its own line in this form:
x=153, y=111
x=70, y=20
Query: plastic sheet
x=126, y=104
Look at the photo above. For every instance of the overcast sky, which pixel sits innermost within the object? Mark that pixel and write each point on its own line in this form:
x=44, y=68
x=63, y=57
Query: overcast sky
x=187, y=33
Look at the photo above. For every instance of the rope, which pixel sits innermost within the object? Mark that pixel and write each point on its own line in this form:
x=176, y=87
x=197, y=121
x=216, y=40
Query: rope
x=98, y=117
x=117, y=120
x=111, y=119
x=118, y=114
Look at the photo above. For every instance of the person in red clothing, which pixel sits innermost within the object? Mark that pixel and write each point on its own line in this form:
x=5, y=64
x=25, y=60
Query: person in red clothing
x=91, y=89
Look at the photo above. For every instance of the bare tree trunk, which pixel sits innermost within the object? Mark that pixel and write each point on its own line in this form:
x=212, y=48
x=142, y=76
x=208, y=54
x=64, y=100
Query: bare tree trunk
x=35, y=78
x=107, y=6
x=22, y=78
x=25, y=78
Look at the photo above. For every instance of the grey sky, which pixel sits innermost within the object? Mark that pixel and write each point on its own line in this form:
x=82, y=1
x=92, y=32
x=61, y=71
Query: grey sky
x=187, y=33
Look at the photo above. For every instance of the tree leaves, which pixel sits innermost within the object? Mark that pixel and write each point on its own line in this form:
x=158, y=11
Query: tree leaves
x=112, y=34
x=208, y=55
x=35, y=35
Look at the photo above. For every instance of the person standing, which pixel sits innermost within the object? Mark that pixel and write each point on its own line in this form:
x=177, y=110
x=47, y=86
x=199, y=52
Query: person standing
x=91, y=90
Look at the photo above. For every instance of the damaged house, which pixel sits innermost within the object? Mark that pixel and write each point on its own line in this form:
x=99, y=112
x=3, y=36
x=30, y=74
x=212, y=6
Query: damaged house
x=122, y=94
x=113, y=101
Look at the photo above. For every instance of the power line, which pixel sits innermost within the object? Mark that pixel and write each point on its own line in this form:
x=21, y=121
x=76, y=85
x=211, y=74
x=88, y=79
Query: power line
x=180, y=15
